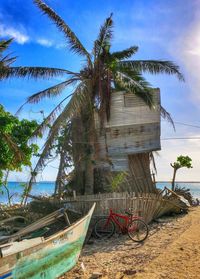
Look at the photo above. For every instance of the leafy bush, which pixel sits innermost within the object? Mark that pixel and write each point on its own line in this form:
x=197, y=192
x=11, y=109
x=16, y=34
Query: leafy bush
x=14, y=135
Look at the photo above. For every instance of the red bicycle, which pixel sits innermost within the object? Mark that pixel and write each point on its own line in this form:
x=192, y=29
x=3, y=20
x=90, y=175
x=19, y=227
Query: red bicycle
x=131, y=224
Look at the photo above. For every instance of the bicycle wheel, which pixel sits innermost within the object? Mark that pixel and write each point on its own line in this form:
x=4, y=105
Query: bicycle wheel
x=104, y=228
x=138, y=230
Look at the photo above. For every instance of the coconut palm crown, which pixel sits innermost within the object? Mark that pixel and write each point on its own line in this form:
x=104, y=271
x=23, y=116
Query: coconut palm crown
x=103, y=73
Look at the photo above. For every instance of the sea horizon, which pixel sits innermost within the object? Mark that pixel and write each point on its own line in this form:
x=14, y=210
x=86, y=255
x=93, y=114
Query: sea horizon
x=46, y=188
x=158, y=181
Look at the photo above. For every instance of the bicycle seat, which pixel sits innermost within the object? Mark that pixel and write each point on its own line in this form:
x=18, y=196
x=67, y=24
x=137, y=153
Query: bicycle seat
x=128, y=213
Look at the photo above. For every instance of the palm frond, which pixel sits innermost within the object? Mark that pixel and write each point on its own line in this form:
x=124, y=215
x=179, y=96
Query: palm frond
x=43, y=157
x=79, y=98
x=166, y=115
x=49, y=119
x=69, y=110
x=75, y=44
x=7, y=60
x=124, y=54
x=134, y=75
x=73, y=107
x=104, y=37
x=124, y=79
x=4, y=44
x=136, y=85
x=153, y=67
x=50, y=92
x=31, y=72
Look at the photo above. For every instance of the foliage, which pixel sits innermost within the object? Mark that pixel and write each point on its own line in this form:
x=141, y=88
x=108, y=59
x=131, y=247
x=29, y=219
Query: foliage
x=14, y=149
x=117, y=180
x=181, y=162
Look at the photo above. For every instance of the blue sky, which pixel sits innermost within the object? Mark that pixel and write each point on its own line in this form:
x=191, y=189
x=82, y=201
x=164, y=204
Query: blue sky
x=163, y=29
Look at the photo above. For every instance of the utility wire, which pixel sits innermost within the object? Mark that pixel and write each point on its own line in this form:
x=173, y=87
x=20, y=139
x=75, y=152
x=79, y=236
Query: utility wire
x=186, y=138
x=181, y=138
x=186, y=124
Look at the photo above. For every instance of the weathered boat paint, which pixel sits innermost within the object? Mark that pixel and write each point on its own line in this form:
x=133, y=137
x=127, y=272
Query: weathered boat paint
x=50, y=263
x=6, y=276
x=55, y=256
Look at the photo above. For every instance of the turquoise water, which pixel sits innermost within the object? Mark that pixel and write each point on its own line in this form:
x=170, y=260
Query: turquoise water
x=40, y=188
x=47, y=188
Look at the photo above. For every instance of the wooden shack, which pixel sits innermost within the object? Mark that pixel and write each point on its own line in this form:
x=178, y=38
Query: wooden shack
x=132, y=132
x=132, y=128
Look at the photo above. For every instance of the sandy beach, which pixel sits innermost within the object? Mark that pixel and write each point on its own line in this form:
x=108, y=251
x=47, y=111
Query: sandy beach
x=172, y=250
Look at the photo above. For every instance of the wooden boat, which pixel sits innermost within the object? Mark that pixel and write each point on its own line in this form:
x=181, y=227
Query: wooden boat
x=41, y=257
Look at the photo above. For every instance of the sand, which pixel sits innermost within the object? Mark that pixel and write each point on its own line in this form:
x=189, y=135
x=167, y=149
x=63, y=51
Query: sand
x=171, y=251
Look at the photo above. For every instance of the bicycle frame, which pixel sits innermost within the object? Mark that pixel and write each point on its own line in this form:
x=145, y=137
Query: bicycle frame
x=130, y=224
x=127, y=219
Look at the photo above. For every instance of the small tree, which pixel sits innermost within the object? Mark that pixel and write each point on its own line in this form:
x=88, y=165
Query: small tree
x=181, y=162
x=15, y=152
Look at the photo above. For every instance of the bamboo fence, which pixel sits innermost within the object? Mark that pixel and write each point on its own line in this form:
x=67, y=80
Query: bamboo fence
x=150, y=206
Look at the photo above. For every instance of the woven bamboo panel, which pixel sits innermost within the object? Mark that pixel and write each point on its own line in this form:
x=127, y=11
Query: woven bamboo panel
x=140, y=173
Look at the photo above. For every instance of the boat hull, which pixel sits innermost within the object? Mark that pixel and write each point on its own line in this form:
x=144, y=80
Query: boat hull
x=49, y=259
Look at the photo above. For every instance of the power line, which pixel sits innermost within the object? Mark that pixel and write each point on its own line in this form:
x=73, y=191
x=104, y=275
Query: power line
x=186, y=124
x=181, y=138
x=186, y=138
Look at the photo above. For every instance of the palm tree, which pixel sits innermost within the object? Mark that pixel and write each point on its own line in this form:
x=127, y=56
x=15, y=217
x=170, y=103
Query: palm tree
x=104, y=72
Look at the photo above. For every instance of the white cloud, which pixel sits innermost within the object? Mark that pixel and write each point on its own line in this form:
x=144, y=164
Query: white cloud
x=44, y=42
x=187, y=49
x=19, y=35
x=49, y=43
x=61, y=45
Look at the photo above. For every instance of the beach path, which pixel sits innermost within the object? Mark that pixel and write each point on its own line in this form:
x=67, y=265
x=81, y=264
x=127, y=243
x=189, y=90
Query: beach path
x=181, y=259
x=172, y=251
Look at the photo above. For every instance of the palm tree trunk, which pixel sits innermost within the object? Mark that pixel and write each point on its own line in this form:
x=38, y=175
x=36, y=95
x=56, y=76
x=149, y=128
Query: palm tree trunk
x=59, y=184
x=89, y=159
x=83, y=139
x=78, y=154
x=173, y=179
x=89, y=176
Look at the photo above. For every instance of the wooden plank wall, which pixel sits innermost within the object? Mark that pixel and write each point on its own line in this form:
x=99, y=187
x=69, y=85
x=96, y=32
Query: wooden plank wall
x=150, y=205
x=132, y=128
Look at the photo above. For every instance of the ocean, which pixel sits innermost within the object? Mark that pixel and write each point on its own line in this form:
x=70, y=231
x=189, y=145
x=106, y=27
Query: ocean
x=47, y=188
